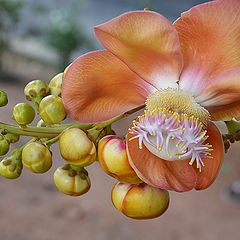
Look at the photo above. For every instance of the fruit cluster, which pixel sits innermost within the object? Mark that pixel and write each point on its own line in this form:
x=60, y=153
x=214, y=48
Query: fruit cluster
x=80, y=146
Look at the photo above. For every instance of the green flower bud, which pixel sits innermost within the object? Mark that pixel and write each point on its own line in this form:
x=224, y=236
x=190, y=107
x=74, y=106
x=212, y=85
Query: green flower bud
x=10, y=170
x=4, y=146
x=3, y=99
x=36, y=157
x=52, y=110
x=11, y=137
x=11, y=167
x=36, y=90
x=55, y=85
x=73, y=182
x=23, y=113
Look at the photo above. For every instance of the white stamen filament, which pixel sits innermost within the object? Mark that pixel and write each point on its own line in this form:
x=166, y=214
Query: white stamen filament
x=172, y=136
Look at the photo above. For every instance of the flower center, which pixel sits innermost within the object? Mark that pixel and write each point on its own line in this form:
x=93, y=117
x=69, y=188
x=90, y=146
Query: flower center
x=173, y=127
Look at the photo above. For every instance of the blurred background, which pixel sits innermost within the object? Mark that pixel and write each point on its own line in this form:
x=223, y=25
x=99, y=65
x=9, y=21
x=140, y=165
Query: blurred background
x=37, y=40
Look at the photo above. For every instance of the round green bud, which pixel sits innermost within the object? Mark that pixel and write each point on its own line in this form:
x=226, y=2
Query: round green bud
x=4, y=146
x=36, y=89
x=36, y=157
x=11, y=137
x=9, y=170
x=72, y=182
x=23, y=113
x=55, y=85
x=3, y=99
x=52, y=110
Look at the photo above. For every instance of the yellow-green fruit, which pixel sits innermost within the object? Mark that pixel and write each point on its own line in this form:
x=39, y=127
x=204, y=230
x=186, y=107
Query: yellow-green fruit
x=4, y=146
x=52, y=110
x=23, y=113
x=71, y=184
x=76, y=148
x=55, y=85
x=3, y=99
x=140, y=201
x=36, y=88
x=9, y=171
x=36, y=158
x=112, y=156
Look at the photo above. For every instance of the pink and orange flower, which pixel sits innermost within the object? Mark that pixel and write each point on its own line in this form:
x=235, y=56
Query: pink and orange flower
x=188, y=75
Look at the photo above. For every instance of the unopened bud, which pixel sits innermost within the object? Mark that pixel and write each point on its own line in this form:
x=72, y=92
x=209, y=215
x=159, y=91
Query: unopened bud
x=23, y=113
x=76, y=148
x=112, y=156
x=4, y=146
x=73, y=185
x=36, y=90
x=11, y=137
x=3, y=99
x=36, y=157
x=52, y=110
x=140, y=201
x=10, y=171
x=55, y=85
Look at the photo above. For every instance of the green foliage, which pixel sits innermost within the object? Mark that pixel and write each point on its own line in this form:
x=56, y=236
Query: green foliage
x=65, y=33
x=9, y=16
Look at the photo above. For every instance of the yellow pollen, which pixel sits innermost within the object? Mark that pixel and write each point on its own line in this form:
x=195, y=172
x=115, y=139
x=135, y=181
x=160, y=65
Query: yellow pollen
x=177, y=101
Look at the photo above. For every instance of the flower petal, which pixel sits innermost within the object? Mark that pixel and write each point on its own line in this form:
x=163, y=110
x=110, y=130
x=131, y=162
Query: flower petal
x=169, y=175
x=212, y=165
x=222, y=96
x=98, y=86
x=147, y=43
x=209, y=35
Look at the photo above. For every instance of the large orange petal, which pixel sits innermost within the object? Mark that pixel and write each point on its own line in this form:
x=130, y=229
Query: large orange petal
x=209, y=35
x=212, y=165
x=98, y=86
x=147, y=43
x=169, y=175
x=222, y=96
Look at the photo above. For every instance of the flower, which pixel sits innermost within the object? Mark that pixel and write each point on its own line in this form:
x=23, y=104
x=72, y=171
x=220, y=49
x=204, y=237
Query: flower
x=187, y=73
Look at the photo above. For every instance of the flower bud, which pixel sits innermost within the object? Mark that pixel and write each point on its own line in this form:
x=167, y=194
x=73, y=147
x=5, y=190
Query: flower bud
x=11, y=137
x=112, y=156
x=140, y=201
x=76, y=148
x=3, y=99
x=52, y=110
x=36, y=158
x=55, y=85
x=4, y=146
x=36, y=89
x=23, y=113
x=10, y=170
x=72, y=182
x=11, y=167
x=66, y=69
